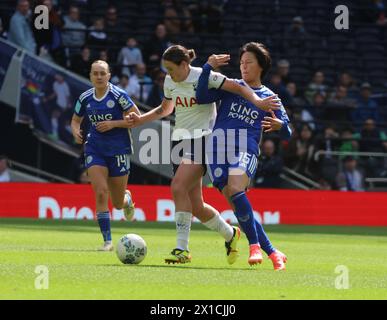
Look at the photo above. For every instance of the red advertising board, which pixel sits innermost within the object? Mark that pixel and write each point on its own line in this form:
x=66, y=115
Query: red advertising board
x=154, y=203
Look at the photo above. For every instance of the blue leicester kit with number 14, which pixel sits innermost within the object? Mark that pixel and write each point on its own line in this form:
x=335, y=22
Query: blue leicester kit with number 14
x=111, y=148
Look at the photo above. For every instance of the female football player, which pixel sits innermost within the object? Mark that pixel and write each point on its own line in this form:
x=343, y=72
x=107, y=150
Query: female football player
x=193, y=124
x=232, y=176
x=107, y=146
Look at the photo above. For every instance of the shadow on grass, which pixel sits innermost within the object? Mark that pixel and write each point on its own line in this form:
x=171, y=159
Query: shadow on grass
x=175, y=267
x=87, y=225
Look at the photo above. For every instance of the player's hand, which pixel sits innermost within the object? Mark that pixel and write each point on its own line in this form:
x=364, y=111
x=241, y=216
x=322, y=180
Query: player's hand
x=272, y=123
x=133, y=119
x=269, y=103
x=218, y=60
x=104, y=126
x=78, y=137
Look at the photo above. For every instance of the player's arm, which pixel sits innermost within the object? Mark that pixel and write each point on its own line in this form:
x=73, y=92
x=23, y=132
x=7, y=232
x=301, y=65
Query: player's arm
x=204, y=94
x=79, y=112
x=280, y=123
x=104, y=126
x=163, y=110
x=266, y=104
x=76, y=128
x=215, y=61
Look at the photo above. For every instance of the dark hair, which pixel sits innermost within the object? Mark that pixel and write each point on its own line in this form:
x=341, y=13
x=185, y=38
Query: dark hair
x=177, y=54
x=348, y=158
x=261, y=53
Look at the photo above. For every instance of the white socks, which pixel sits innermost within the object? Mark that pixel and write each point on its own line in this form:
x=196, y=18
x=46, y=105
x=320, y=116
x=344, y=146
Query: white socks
x=183, y=227
x=218, y=224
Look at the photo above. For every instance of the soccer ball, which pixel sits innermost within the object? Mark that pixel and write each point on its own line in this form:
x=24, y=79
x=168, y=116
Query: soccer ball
x=131, y=249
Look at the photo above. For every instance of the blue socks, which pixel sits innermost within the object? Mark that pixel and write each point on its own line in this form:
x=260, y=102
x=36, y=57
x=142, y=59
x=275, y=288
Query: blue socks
x=250, y=226
x=245, y=216
x=104, y=225
x=264, y=241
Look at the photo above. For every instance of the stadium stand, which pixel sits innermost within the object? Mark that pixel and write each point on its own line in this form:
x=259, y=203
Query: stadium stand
x=300, y=31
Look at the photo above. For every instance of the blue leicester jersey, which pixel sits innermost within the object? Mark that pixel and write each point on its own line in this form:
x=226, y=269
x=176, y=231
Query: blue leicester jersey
x=110, y=107
x=239, y=115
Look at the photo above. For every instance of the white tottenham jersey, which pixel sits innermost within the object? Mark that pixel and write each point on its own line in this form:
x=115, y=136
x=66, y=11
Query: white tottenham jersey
x=192, y=120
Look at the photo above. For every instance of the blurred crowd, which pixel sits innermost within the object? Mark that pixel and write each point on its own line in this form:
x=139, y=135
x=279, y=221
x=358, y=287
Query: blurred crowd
x=327, y=117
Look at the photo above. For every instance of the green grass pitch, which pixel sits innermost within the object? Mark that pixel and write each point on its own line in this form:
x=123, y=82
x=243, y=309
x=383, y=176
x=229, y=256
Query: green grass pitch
x=77, y=271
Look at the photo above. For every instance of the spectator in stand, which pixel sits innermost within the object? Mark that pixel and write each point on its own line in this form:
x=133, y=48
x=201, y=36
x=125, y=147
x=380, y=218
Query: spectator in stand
x=346, y=80
x=349, y=141
x=327, y=163
x=124, y=83
x=296, y=101
x=275, y=84
x=140, y=84
x=377, y=13
x=65, y=133
x=129, y=56
x=156, y=94
x=313, y=113
x=324, y=185
x=114, y=29
x=55, y=115
x=4, y=171
x=20, y=32
x=207, y=17
x=283, y=67
x=104, y=55
x=61, y=92
x=156, y=46
x=340, y=98
x=97, y=34
x=81, y=63
x=177, y=17
x=296, y=38
x=366, y=107
x=316, y=86
x=371, y=137
x=300, y=152
x=372, y=140
x=350, y=178
x=74, y=32
x=341, y=105
x=270, y=168
x=49, y=41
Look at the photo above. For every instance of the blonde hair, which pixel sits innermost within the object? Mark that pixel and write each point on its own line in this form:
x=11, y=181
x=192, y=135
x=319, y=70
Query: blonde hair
x=101, y=62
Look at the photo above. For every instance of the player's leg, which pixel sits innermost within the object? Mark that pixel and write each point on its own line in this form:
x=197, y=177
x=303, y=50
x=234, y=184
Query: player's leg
x=98, y=177
x=238, y=181
x=119, y=167
x=182, y=182
x=215, y=222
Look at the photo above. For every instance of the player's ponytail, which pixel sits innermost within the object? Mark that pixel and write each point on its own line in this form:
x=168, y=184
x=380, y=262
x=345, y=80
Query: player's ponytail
x=177, y=54
x=261, y=53
x=191, y=54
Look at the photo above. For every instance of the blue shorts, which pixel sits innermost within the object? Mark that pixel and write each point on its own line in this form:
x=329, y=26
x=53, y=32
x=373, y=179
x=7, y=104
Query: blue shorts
x=118, y=165
x=219, y=166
